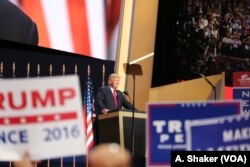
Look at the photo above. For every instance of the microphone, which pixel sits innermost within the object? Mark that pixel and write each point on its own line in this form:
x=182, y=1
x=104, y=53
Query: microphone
x=203, y=76
x=213, y=86
x=125, y=92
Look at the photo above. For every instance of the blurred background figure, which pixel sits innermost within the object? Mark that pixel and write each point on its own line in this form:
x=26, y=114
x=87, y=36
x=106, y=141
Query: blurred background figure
x=86, y=27
x=16, y=25
x=109, y=155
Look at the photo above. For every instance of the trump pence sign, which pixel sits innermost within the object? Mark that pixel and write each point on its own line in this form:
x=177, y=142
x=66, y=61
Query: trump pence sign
x=42, y=116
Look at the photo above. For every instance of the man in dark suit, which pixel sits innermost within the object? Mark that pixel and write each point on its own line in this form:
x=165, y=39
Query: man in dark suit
x=109, y=98
x=15, y=25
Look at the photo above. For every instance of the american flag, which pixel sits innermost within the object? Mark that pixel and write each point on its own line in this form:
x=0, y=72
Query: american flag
x=87, y=27
x=88, y=101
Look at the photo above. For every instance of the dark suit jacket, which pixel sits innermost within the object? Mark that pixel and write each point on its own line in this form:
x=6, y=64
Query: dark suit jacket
x=15, y=25
x=105, y=99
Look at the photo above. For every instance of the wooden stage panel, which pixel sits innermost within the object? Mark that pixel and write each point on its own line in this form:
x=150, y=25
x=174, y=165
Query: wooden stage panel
x=117, y=127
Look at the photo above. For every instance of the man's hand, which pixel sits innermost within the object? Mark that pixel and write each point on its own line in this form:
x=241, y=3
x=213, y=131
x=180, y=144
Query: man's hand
x=105, y=111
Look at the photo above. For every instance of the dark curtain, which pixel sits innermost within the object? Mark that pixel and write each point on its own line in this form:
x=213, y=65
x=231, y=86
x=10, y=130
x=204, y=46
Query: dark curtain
x=22, y=54
x=165, y=58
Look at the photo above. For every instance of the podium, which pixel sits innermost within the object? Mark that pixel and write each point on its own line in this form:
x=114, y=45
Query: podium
x=117, y=127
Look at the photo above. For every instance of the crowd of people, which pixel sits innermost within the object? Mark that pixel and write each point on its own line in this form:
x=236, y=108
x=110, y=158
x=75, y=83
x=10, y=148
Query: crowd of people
x=103, y=155
x=209, y=31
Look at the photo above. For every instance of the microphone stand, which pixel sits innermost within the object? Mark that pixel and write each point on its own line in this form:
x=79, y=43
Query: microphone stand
x=133, y=69
x=133, y=117
x=126, y=93
x=213, y=87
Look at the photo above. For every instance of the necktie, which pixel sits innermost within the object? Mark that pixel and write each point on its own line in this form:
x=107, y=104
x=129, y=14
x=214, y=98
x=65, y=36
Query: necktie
x=115, y=97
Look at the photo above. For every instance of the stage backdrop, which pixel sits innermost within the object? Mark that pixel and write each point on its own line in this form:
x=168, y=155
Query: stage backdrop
x=40, y=59
x=85, y=27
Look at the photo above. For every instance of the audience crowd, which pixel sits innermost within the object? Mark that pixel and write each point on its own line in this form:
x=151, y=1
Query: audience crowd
x=213, y=36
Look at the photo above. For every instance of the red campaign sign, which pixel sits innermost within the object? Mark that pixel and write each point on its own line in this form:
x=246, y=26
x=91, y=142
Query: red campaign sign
x=241, y=79
x=40, y=115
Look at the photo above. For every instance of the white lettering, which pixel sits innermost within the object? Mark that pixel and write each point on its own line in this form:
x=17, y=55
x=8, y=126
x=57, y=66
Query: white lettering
x=164, y=137
x=178, y=159
x=236, y=135
x=204, y=158
x=233, y=158
x=179, y=138
x=227, y=135
x=245, y=103
x=246, y=110
x=174, y=126
x=246, y=94
x=159, y=125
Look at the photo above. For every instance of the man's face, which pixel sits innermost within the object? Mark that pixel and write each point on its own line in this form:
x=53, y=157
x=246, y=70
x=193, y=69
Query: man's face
x=114, y=83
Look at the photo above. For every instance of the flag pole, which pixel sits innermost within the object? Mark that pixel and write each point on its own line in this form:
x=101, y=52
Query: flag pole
x=88, y=70
x=1, y=70
x=38, y=70
x=63, y=69
x=13, y=70
x=13, y=76
x=28, y=70
x=74, y=157
x=87, y=156
x=50, y=70
x=87, y=111
x=63, y=73
x=103, y=74
x=28, y=75
x=50, y=74
x=76, y=70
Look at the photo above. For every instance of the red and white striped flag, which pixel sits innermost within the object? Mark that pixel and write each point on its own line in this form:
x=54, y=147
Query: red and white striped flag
x=88, y=27
x=88, y=101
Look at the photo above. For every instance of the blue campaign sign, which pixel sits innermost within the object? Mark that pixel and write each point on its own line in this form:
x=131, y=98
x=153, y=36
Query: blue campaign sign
x=244, y=95
x=229, y=133
x=165, y=125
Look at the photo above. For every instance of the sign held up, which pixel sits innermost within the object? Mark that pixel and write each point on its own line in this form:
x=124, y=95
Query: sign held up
x=41, y=116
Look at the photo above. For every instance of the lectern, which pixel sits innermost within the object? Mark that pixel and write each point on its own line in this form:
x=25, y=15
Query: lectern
x=116, y=127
